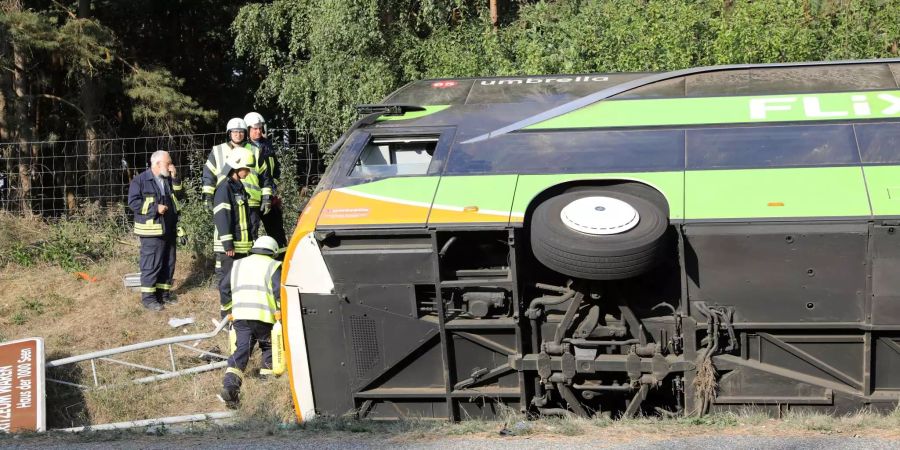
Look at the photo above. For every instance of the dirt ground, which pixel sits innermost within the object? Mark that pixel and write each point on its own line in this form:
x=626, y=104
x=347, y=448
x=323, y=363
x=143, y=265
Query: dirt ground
x=75, y=315
x=743, y=430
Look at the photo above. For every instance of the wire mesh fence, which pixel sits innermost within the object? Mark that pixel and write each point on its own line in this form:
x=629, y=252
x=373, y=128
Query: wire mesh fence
x=57, y=179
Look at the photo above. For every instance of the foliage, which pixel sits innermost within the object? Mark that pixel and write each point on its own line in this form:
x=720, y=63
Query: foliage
x=85, y=45
x=71, y=244
x=159, y=103
x=63, y=52
x=196, y=219
x=319, y=58
x=28, y=30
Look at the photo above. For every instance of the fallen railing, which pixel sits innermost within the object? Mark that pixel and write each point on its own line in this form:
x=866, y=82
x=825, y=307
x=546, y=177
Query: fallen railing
x=160, y=374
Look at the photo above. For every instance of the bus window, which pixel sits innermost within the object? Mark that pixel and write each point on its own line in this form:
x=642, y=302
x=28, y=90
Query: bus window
x=672, y=88
x=770, y=81
x=879, y=142
x=543, y=89
x=431, y=92
x=572, y=152
x=757, y=147
x=392, y=156
x=787, y=80
x=718, y=84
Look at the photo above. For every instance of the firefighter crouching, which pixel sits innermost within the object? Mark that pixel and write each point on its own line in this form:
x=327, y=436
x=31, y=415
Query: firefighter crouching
x=256, y=304
x=153, y=196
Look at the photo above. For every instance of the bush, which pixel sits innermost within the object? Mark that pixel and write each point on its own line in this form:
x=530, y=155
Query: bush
x=72, y=243
x=196, y=220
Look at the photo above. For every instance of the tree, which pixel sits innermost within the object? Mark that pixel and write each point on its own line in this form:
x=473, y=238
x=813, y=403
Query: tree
x=316, y=59
x=63, y=76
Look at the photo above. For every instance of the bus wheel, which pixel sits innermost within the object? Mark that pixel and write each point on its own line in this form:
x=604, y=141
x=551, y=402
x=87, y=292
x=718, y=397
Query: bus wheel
x=598, y=233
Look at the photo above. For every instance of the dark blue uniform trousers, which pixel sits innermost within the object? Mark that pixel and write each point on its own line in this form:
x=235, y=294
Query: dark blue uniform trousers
x=249, y=333
x=157, y=262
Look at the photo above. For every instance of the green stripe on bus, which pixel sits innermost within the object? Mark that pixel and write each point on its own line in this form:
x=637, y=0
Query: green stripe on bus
x=724, y=110
x=774, y=193
x=701, y=194
x=487, y=192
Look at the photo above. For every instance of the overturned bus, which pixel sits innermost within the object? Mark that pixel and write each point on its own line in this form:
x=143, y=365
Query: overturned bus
x=632, y=243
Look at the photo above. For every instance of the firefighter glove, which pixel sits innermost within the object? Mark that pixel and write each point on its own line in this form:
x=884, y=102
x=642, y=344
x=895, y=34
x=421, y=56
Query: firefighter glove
x=266, y=204
x=208, y=201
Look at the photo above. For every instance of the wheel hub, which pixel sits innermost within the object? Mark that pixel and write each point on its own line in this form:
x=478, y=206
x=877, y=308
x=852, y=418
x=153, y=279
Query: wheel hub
x=599, y=216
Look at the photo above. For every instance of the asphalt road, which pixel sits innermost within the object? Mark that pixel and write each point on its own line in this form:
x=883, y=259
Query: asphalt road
x=511, y=443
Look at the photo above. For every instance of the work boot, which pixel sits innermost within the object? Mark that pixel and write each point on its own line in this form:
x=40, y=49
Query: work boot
x=230, y=397
x=153, y=305
x=169, y=298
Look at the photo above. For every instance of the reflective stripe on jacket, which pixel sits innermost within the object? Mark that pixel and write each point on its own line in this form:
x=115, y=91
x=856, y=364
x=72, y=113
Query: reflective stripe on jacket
x=144, y=196
x=257, y=183
x=254, y=293
x=231, y=216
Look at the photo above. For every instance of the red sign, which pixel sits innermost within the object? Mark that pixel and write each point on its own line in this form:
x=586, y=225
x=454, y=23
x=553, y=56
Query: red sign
x=22, y=386
x=443, y=84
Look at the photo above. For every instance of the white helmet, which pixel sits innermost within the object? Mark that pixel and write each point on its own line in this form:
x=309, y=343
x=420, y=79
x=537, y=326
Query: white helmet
x=236, y=124
x=240, y=158
x=265, y=245
x=255, y=119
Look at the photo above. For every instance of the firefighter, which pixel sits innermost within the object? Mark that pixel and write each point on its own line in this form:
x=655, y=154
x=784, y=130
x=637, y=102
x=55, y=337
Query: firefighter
x=256, y=292
x=257, y=183
x=233, y=236
x=270, y=206
x=153, y=195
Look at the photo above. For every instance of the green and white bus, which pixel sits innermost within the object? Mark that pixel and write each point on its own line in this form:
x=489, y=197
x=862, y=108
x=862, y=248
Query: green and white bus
x=628, y=243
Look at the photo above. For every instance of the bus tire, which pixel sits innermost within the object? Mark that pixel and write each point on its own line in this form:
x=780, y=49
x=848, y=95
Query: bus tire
x=598, y=233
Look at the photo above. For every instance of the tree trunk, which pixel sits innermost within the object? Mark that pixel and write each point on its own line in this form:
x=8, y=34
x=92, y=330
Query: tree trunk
x=495, y=14
x=4, y=86
x=90, y=94
x=22, y=129
x=5, y=150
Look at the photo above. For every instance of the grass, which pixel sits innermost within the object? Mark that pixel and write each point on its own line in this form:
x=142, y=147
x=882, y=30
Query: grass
x=253, y=425
x=75, y=316
x=45, y=298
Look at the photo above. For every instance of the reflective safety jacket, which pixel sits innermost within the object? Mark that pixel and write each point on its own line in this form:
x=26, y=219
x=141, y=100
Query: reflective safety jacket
x=231, y=215
x=255, y=288
x=144, y=195
x=267, y=155
x=215, y=170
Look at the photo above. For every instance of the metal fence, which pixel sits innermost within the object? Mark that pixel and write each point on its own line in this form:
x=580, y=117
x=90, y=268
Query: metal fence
x=55, y=179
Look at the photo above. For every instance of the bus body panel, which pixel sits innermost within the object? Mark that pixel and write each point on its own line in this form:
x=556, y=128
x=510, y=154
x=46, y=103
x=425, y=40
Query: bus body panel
x=883, y=183
x=473, y=199
x=776, y=193
x=392, y=201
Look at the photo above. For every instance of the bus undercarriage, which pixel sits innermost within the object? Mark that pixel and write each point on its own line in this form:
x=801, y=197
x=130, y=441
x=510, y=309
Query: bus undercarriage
x=462, y=323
